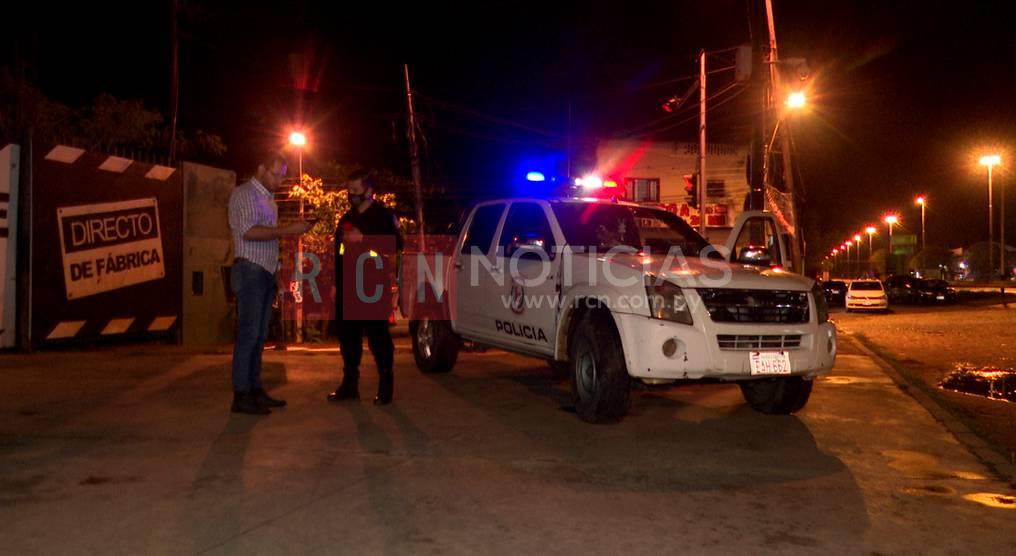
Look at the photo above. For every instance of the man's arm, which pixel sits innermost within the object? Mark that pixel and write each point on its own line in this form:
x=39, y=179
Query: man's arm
x=268, y=233
x=243, y=218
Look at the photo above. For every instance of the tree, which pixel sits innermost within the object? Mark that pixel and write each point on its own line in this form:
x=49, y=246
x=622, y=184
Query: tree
x=109, y=124
x=978, y=261
x=932, y=257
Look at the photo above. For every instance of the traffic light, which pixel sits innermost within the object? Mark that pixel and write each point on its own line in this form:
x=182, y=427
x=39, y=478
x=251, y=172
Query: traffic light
x=691, y=187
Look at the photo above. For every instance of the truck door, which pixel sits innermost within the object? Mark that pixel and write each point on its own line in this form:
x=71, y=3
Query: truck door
x=758, y=239
x=472, y=291
x=528, y=303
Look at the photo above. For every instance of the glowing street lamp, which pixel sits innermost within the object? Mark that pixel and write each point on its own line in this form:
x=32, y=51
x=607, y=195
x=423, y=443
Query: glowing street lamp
x=299, y=141
x=857, y=242
x=891, y=220
x=923, y=202
x=870, y=230
x=796, y=100
x=990, y=161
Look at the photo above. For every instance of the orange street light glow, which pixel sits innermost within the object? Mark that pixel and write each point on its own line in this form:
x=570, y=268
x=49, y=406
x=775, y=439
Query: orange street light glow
x=857, y=238
x=920, y=200
x=891, y=219
x=991, y=160
x=297, y=139
x=871, y=230
x=796, y=100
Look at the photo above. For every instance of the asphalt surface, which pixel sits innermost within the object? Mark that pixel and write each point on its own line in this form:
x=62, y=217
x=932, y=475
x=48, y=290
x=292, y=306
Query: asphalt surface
x=133, y=450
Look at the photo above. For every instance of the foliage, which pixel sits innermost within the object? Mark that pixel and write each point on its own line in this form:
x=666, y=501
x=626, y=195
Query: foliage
x=108, y=124
x=328, y=204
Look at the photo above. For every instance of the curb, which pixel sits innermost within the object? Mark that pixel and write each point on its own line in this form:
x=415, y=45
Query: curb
x=975, y=444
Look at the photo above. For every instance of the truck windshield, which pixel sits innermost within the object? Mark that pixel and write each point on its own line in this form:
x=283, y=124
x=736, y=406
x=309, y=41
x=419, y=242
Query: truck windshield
x=602, y=226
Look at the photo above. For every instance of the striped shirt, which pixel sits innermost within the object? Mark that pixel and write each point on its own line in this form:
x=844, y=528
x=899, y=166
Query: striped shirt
x=251, y=205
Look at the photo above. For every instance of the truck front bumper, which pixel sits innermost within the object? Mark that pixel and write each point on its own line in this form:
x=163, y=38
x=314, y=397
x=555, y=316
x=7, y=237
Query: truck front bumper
x=657, y=349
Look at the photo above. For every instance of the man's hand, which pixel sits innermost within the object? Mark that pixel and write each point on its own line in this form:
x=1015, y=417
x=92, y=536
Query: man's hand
x=297, y=228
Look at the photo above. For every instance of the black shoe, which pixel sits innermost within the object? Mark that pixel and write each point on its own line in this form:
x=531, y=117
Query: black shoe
x=265, y=400
x=247, y=403
x=348, y=390
x=385, y=388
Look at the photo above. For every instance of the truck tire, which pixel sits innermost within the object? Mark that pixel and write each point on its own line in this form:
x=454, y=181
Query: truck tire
x=601, y=387
x=435, y=345
x=777, y=396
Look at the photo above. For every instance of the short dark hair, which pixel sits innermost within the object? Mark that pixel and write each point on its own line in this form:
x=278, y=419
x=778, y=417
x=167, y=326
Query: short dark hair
x=364, y=176
x=272, y=157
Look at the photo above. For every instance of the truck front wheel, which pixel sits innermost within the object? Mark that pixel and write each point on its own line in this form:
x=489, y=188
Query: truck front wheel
x=601, y=387
x=777, y=396
x=435, y=345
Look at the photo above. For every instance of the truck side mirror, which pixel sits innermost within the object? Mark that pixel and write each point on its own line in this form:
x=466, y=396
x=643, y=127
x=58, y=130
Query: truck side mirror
x=530, y=245
x=755, y=255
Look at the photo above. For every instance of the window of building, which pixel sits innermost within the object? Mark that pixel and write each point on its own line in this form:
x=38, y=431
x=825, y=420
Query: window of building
x=716, y=188
x=642, y=190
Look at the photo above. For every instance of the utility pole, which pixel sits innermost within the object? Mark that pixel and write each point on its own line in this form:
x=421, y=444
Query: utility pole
x=414, y=158
x=174, y=78
x=756, y=173
x=702, y=144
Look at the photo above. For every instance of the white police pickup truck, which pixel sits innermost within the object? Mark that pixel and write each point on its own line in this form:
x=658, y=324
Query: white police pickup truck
x=616, y=292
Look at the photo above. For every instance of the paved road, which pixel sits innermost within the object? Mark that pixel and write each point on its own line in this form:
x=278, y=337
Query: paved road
x=132, y=451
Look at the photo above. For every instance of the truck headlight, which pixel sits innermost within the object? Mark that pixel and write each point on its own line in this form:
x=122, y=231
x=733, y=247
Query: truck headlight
x=667, y=302
x=821, y=307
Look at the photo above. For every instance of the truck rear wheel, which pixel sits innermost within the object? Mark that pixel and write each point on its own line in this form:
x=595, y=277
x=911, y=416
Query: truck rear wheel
x=777, y=396
x=435, y=345
x=601, y=387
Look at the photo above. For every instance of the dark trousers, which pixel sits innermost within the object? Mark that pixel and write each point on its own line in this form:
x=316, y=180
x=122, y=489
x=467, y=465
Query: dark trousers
x=379, y=339
x=255, y=290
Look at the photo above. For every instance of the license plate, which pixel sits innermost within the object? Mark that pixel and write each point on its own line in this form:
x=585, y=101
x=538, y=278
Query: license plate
x=940, y=298
x=770, y=363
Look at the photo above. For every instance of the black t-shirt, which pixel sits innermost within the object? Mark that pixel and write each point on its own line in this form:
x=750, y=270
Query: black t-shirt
x=380, y=228
x=375, y=222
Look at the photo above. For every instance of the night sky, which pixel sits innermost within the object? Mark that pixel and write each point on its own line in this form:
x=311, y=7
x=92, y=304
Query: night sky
x=906, y=95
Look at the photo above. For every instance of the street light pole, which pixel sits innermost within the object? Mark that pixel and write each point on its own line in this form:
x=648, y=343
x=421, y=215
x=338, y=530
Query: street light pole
x=1001, y=233
x=298, y=140
x=990, y=161
x=890, y=220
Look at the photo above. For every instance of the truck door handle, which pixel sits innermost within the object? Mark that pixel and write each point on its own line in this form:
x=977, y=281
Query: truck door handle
x=458, y=265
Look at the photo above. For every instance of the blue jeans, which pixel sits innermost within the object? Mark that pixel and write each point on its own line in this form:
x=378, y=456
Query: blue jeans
x=255, y=290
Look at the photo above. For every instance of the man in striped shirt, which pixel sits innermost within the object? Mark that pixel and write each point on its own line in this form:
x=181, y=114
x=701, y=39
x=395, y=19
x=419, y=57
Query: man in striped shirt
x=253, y=220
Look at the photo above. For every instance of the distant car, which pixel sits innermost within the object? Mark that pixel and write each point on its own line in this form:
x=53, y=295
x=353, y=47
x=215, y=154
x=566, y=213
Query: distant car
x=936, y=291
x=835, y=292
x=867, y=295
x=904, y=289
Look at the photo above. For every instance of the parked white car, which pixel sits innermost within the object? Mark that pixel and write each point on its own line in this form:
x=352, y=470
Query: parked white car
x=867, y=295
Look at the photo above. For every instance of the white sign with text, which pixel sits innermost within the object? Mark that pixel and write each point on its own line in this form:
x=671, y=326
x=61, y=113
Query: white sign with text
x=110, y=246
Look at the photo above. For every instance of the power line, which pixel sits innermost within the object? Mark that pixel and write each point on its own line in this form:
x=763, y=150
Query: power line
x=716, y=105
x=686, y=110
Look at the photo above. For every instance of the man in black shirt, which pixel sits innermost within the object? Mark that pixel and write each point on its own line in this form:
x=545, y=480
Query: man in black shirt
x=366, y=241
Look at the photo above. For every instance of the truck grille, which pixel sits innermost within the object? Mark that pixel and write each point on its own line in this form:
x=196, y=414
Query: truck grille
x=756, y=306
x=752, y=342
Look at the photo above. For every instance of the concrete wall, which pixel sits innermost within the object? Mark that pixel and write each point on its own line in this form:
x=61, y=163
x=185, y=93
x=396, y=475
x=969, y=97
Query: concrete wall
x=207, y=247
x=8, y=242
